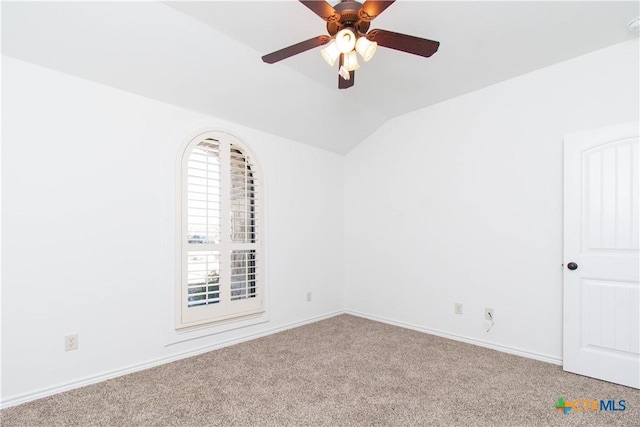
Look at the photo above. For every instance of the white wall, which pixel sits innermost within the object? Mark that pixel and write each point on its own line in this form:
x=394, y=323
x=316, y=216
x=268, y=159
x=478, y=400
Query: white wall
x=459, y=202
x=462, y=202
x=88, y=229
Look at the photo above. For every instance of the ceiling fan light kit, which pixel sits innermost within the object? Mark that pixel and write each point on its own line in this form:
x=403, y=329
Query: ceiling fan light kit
x=351, y=61
x=348, y=27
x=330, y=53
x=345, y=40
x=366, y=48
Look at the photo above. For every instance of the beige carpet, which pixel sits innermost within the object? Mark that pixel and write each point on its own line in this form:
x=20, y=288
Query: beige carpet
x=338, y=372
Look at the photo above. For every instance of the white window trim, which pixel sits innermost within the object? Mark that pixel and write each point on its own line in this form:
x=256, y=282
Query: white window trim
x=240, y=319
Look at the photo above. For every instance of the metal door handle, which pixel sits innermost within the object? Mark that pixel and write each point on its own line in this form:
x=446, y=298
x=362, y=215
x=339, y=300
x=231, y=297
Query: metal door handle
x=572, y=266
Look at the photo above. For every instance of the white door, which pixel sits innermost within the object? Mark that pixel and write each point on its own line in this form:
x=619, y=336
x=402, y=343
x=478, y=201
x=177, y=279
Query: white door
x=601, y=336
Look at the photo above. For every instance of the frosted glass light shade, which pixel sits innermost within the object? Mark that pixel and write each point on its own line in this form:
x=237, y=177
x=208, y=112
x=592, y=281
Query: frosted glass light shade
x=345, y=40
x=350, y=61
x=330, y=53
x=366, y=48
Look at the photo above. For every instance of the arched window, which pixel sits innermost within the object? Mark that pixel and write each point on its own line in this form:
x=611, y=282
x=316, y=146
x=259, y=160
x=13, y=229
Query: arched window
x=220, y=253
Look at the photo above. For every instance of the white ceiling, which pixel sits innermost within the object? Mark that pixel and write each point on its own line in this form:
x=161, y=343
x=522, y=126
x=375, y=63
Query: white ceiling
x=205, y=55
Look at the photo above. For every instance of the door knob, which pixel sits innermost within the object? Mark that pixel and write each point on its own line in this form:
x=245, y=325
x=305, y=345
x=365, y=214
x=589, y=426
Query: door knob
x=572, y=266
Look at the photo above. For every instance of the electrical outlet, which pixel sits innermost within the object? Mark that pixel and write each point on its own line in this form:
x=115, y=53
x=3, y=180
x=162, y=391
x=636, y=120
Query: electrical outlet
x=488, y=314
x=458, y=308
x=71, y=342
x=308, y=296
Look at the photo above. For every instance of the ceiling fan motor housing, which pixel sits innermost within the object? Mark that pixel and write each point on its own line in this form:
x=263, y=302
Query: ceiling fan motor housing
x=349, y=18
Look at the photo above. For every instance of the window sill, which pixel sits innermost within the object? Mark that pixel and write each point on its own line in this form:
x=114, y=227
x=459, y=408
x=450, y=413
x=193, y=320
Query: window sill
x=190, y=332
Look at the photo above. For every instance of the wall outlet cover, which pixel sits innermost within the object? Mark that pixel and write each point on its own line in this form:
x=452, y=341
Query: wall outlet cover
x=71, y=342
x=458, y=308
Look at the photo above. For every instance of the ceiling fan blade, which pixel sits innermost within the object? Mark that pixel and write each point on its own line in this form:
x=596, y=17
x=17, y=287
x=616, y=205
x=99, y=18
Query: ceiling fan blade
x=295, y=49
x=372, y=8
x=404, y=43
x=346, y=84
x=323, y=9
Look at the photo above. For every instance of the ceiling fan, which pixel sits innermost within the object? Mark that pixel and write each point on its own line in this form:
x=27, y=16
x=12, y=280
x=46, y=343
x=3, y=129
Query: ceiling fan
x=347, y=25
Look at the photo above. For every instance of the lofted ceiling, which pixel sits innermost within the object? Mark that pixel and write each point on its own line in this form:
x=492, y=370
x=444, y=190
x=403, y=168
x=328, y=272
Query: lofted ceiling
x=206, y=55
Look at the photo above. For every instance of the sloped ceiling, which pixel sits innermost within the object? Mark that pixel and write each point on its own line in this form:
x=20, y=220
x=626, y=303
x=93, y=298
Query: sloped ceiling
x=205, y=55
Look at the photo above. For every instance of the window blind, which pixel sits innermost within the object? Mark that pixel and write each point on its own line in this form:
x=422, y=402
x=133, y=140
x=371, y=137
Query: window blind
x=203, y=193
x=220, y=273
x=243, y=198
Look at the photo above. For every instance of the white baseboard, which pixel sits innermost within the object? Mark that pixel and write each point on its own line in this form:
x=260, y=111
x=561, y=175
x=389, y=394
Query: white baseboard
x=502, y=348
x=39, y=394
